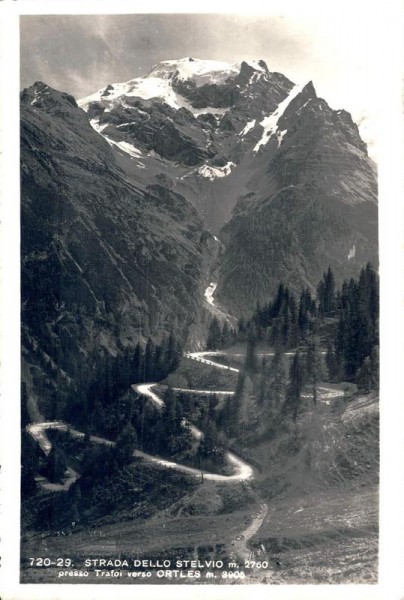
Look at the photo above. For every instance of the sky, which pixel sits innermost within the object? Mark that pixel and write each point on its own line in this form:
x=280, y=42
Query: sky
x=80, y=54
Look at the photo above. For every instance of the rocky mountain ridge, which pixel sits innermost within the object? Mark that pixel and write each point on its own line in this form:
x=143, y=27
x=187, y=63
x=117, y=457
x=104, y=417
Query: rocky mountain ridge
x=284, y=180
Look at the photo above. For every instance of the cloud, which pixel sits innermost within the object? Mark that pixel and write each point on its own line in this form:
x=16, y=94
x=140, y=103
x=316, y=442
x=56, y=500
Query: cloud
x=83, y=53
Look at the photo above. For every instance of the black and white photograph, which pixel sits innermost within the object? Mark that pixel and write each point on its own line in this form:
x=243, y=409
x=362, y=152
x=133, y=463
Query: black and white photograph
x=199, y=300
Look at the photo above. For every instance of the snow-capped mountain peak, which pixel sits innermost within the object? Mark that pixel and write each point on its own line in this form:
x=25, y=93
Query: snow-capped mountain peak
x=204, y=124
x=161, y=82
x=200, y=72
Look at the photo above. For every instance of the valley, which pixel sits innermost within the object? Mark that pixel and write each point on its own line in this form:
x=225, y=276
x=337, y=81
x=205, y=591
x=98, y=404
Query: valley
x=200, y=371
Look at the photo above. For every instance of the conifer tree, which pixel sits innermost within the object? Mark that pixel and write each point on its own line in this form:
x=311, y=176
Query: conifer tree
x=149, y=365
x=126, y=443
x=173, y=354
x=241, y=328
x=210, y=448
x=160, y=356
x=251, y=363
x=138, y=364
x=234, y=404
x=226, y=337
x=357, y=331
x=262, y=388
x=331, y=362
x=321, y=297
x=74, y=495
x=215, y=335
x=279, y=301
x=285, y=326
x=278, y=380
x=292, y=403
x=314, y=365
x=303, y=318
x=329, y=291
x=365, y=376
x=326, y=293
x=56, y=465
x=368, y=373
x=213, y=402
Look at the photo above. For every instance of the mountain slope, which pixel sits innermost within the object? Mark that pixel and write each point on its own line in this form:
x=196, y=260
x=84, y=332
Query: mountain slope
x=105, y=262
x=310, y=202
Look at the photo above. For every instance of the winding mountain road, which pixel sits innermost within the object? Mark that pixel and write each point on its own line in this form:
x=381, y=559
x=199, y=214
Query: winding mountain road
x=242, y=471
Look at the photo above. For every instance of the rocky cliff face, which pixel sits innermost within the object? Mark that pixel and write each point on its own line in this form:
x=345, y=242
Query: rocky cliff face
x=310, y=202
x=105, y=261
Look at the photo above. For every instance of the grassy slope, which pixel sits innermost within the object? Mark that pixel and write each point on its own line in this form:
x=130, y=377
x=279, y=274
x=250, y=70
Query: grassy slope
x=322, y=523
